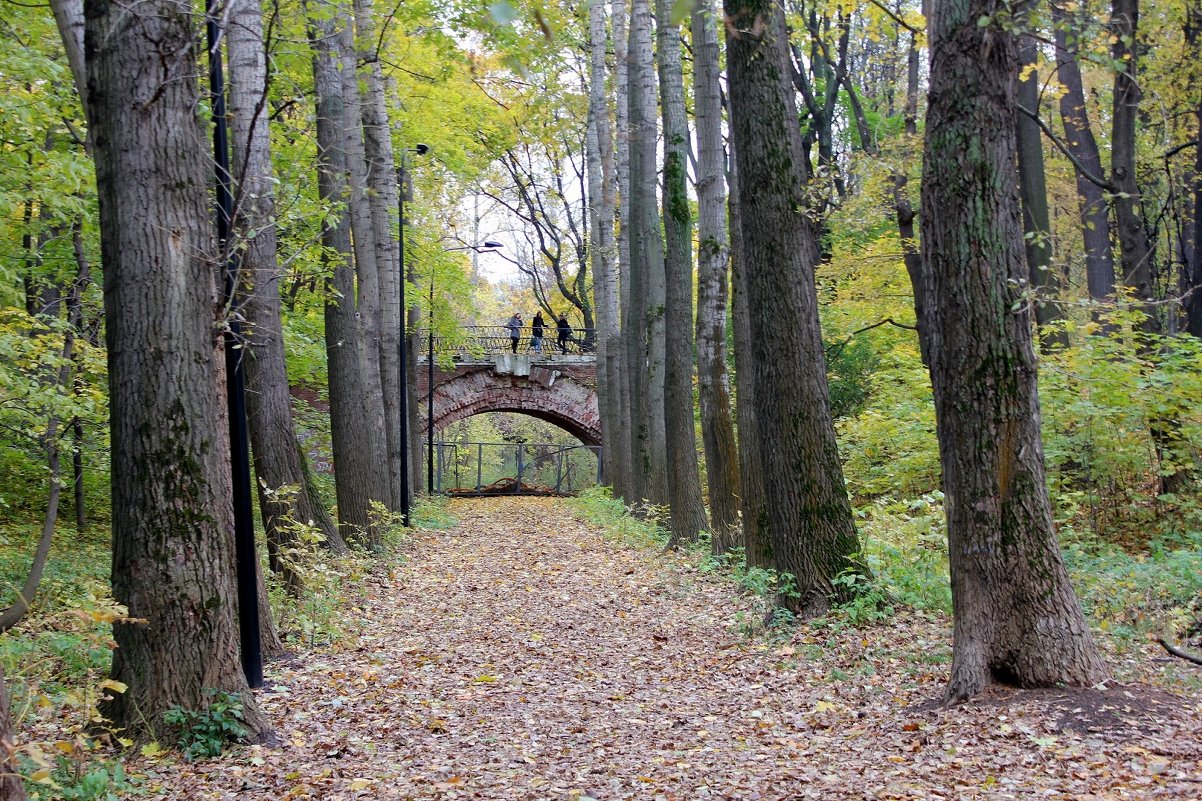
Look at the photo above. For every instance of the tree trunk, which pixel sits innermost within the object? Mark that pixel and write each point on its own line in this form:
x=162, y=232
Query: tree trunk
x=902, y=207
x=1037, y=227
x=68, y=16
x=12, y=788
x=1135, y=247
x=1193, y=276
x=1078, y=135
x=49, y=441
x=382, y=200
x=808, y=512
x=173, y=547
x=713, y=384
x=356, y=473
x=687, y=519
x=83, y=278
x=285, y=496
x=626, y=483
x=646, y=267
x=601, y=178
x=1016, y=618
x=366, y=299
x=753, y=508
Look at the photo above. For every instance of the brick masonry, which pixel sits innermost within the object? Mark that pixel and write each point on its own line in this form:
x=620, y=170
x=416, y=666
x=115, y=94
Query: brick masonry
x=562, y=392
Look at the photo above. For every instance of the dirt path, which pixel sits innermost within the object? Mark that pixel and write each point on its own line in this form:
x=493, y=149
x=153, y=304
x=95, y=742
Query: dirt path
x=520, y=655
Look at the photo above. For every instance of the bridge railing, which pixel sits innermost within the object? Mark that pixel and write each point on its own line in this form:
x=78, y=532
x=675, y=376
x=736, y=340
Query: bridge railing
x=508, y=468
x=486, y=340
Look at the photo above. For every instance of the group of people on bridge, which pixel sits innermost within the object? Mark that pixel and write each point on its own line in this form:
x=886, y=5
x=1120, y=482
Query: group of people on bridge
x=537, y=327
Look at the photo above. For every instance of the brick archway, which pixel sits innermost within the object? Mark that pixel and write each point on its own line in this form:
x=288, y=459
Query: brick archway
x=564, y=394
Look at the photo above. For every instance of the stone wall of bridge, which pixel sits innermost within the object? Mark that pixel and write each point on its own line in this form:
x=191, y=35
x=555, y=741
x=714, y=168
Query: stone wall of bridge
x=562, y=391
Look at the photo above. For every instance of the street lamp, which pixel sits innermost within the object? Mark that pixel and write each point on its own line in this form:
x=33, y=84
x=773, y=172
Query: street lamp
x=403, y=377
x=484, y=247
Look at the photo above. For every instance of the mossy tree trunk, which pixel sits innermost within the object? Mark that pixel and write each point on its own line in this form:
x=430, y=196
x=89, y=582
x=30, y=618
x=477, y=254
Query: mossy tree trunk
x=173, y=546
x=807, y=512
x=1016, y=618
x=684, y=472
x=713, y=385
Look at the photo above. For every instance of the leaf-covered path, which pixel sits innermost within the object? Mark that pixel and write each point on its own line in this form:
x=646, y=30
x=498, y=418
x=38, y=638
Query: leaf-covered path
x=522, y=655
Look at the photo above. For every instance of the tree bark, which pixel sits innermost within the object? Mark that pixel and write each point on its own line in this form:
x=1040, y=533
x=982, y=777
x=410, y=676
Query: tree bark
x=285, y=496
x=356, y=472
x=1037, y=226
x=1016, y=618
x=366, y=298
x=382, y=200
x=646, y=268
x=1135, y=247
x=687, y=517
x=616, y=459
x=626, y=483
x=808, y=513
x=12, y=788
x=173, y=548
x=1078, y=135
x=753, y=508
x=713, y=384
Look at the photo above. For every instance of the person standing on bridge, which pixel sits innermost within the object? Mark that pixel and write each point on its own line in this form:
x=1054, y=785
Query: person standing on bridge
x=515, y=329
x=565, y=331
x=536, y=326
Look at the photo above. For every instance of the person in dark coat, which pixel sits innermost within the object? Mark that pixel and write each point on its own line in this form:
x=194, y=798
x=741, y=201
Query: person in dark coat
x=536, y=327
x=565, y=331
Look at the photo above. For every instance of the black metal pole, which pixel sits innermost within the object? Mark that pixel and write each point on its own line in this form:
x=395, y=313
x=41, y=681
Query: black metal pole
x=244, y=523
x=430, y=396
x=403, y=378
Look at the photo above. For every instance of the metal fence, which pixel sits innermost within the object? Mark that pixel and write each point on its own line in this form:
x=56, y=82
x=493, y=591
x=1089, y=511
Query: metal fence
x=484, y=340
x=507, y=468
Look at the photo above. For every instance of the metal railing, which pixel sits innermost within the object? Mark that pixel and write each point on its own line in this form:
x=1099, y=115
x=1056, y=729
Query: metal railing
x=507, y=468
x=487, y=340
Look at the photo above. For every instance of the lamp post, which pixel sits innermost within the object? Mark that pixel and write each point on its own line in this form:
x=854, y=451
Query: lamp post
x=246, y=564
x=483, y=247
x=403, y=377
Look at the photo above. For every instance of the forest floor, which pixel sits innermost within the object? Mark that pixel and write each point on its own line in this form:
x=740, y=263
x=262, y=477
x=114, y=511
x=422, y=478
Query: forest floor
x=523, y=655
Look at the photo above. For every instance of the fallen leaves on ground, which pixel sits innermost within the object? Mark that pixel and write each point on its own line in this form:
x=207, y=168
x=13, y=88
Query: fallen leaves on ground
x=521, y=655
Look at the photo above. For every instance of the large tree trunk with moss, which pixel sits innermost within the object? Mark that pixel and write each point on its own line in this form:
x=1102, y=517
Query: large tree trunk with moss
x=285, y=496
x=646, y=271
x=808, y=514
x=173, y=545
x=713, y=384
x=358, y=477
x=687, y=519
x=1016, y=618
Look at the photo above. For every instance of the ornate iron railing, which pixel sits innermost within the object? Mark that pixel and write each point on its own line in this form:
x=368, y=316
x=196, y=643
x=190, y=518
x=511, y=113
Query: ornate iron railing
x=486, y=340
x=507, y=468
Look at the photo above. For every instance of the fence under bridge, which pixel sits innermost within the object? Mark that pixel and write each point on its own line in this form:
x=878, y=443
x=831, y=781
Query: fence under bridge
x=508, y=468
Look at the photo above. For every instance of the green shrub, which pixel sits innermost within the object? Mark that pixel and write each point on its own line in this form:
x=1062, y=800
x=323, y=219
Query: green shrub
x=206, y=732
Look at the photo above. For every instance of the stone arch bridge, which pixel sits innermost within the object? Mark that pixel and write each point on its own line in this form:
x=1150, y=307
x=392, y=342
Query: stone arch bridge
x=560, y=389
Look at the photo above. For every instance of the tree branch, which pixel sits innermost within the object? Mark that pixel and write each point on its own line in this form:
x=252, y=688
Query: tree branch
x=1186, y=655
x=1063, y=148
